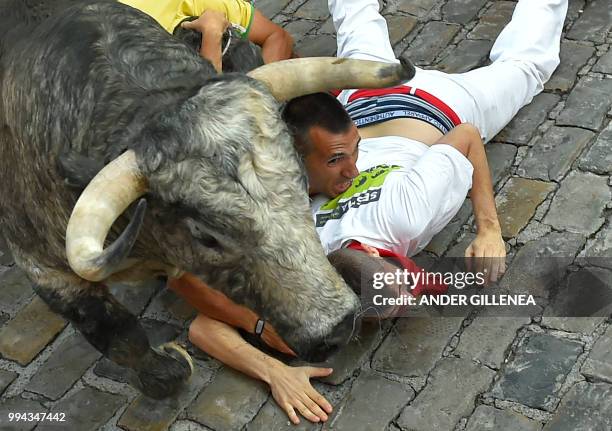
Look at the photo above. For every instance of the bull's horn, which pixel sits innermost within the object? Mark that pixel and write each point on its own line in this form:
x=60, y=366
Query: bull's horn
x=104, y=199
x=296, y=77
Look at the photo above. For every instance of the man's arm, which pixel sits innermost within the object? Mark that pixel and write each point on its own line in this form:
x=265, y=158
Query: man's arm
x=290, y=386
x=217, y=306
x=488, y=242
x=276, y=44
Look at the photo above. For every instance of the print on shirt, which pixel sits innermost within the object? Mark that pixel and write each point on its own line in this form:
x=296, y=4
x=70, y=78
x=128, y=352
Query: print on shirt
x=366, y=188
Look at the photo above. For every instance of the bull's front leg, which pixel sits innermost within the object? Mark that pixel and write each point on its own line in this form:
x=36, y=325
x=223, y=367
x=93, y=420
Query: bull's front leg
x=118, y=335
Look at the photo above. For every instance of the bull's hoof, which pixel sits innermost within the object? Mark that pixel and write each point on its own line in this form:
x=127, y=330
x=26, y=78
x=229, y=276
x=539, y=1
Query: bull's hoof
x=163, y=371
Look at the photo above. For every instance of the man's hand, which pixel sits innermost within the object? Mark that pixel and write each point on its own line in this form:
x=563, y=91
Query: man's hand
x=292, y=390
x=487, y=253
x=211, y=21
x=212, y=25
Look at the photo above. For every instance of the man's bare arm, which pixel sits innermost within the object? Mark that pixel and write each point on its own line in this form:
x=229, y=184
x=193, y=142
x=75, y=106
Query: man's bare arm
x=489, y=242
x=290, y=386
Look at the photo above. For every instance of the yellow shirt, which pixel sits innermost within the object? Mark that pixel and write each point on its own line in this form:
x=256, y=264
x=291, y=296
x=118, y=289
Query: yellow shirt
x=170, y=13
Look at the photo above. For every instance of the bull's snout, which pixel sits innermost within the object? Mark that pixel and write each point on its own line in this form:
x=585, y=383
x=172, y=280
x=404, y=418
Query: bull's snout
x=319, y=350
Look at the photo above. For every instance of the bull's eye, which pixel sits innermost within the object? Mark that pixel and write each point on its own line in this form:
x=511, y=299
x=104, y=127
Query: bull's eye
x=200, y=233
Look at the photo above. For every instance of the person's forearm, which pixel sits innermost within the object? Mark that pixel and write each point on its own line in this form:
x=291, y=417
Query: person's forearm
x=213, y=303
x=278, y=46
x=466, y=139
x=226, y=345
x=211, y=48
x=483, y=199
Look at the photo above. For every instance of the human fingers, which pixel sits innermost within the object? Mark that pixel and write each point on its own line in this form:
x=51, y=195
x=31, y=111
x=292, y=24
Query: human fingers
x=319, y=372
x=305, y=411
x=320, y=400
x=313, y=406
x=293, y=417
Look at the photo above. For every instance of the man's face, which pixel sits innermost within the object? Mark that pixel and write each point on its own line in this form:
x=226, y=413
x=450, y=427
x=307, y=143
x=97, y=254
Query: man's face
x=331, y=161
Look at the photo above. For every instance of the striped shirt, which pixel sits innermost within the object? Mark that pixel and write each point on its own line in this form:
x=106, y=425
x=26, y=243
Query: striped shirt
x=368, y=107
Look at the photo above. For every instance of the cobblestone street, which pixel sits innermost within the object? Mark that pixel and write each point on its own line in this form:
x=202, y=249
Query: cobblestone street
x=552, y=169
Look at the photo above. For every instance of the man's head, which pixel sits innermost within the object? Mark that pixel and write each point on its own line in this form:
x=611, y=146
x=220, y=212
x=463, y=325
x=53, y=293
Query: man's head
x=327, y=140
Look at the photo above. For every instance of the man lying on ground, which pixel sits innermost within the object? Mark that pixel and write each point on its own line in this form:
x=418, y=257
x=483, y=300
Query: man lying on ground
x=420, y=150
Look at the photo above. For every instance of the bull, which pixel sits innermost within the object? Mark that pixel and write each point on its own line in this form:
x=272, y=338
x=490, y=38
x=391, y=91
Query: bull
x=124, y=156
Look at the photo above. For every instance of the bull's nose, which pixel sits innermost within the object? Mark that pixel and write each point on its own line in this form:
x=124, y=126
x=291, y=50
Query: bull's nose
x=341, y=335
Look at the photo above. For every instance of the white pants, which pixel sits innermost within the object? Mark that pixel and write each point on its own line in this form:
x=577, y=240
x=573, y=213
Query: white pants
x=524, y=56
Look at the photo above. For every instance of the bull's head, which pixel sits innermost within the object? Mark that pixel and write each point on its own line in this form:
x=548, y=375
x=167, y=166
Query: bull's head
x=229, y=203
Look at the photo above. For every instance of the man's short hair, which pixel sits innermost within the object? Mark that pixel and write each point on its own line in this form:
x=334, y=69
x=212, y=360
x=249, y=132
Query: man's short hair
x=317, y=109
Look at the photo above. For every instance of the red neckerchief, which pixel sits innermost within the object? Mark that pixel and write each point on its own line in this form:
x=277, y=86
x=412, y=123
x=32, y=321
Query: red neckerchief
x=420, y=288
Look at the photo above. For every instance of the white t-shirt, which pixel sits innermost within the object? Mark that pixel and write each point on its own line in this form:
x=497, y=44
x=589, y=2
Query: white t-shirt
x=406, y=192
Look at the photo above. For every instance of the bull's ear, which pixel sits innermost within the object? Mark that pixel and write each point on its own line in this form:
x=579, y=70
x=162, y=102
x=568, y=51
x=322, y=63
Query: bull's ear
x=288, y=79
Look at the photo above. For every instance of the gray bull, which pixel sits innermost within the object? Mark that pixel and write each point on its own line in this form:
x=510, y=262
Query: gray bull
x=103, y=114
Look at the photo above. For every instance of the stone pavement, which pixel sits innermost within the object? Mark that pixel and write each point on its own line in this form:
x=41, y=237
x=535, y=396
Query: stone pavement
x=552, y=168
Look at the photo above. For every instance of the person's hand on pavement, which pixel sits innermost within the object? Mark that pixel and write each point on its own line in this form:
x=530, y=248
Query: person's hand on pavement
x=487, y=254
x=292, y=391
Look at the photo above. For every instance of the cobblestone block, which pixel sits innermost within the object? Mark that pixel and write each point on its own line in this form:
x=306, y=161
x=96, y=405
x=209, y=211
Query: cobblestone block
x=372, y=403
x=86, y=410
x=158, y=334
x=586, y=293
x=599, y=363
x=54, y=379
x=317, y=45
x=16, y=290
x=579, y=203
x=537, y=371
x=399, y=27
x=6, y=378
x=500, y=158
x=594, y=23
x=584, y=325
x=271, y=7
x=586, y=407
x=523, y=126
x=449, y=395
x=136, y=297
x=493, y=21
x=433, y=38
x=574, y=56
x=489, y=418
x=488, y=337
x=468, y=55
x=313, y=9
x=517, y=202
x=598, y=251
x=587, y=104
x=534, y=230
x=552, y=155
x=146, y=414
x=18, y=405
x=539, y=265
x=442, y=240
x=6, y=258
x=414, y=346
x=604, y=64
x=598, y=158
x=418, y=8
x=327, y=27
x=462, y=11
x=230, y=402
x=22, y=338
x=298, y=29
x=352, y=356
